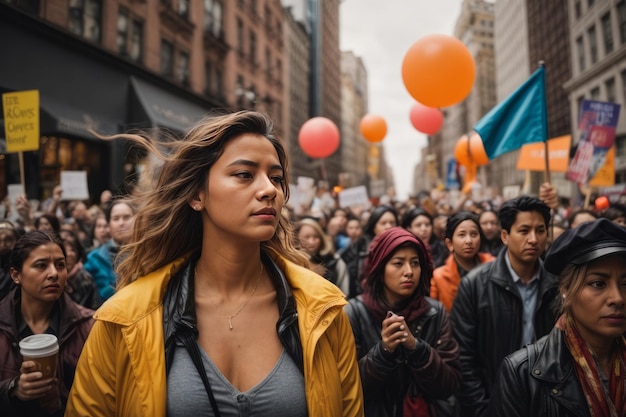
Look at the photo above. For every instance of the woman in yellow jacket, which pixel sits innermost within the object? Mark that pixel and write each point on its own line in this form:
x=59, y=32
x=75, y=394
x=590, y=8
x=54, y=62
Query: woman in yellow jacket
x=463, y=237
x=216, y=312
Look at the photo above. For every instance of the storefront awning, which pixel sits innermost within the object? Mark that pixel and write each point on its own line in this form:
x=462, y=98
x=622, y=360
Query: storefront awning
x=60, y=118
x=165, y=109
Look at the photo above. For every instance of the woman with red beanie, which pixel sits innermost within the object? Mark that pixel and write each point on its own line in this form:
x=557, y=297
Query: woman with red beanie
x=408, y=358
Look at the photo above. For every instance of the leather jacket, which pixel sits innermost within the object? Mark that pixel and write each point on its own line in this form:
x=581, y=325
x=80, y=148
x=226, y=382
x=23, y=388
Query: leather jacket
x=75, y=323
x=486, y=319
x=539, y=380
x=431, y=370
x=179, y=313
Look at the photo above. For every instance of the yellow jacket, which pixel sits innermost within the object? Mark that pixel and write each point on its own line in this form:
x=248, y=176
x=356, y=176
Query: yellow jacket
x=121, y=371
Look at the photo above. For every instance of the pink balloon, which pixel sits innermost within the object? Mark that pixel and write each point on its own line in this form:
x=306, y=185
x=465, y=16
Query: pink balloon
x=426, y=119
x=319, y=137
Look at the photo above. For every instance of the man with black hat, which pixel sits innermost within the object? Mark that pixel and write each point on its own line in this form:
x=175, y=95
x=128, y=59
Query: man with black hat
x=504, y=304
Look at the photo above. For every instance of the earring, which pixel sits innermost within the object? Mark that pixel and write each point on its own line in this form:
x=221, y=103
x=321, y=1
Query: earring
x=197, y=208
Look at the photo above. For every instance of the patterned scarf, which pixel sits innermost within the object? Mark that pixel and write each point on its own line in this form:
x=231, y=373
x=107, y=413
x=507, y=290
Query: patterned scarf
x=589, y=377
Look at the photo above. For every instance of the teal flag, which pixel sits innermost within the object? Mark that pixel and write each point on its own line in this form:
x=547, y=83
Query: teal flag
x=520, y=119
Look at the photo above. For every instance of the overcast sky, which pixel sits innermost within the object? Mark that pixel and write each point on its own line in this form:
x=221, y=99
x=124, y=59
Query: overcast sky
x=381, y=32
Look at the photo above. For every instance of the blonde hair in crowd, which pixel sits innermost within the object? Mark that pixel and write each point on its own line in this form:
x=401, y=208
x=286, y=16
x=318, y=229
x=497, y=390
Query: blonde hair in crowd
x=326, y=244
x=571, y=282
x=166, y=227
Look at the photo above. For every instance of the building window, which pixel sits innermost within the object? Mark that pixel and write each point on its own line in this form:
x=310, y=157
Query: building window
x=239, y=92
x=208, y=77
x=595, y=93
x=577, y=9
x=167, y=58
x=579, y=103
x=213, y=17
x=593, y=44
x=183, y=8
x=252, y=56
x=620, y=146
x=135, y=51
x=590, y=3
x=623, y=77
x=607, y=33
x=85, y=18
x=129, y=36
x=219, y=83
x=580, y=48
x=268, y=63
x=182, y=68
x=267, y=18
x=609, y=86
x=279, y=70
x=240, y=36
x=621, y=16
x=122, y=31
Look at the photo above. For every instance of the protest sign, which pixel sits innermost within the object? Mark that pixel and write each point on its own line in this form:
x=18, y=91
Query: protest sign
x=21, y=120
x=597, y=123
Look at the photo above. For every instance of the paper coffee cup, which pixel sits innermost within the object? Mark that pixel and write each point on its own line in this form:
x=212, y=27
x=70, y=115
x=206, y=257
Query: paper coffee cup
x=44, y=349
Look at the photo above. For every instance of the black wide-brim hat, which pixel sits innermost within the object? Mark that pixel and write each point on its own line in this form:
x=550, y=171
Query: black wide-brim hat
x=585, y=243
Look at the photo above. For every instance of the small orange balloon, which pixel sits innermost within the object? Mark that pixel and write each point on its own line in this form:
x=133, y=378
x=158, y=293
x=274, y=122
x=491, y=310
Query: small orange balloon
x=470, y=151
x=373, y=128
x=602, y=203
x=477, y=150
x=462, y=151
x=438, y=71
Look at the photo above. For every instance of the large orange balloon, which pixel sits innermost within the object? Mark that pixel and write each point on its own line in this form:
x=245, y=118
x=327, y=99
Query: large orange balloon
x=373, y=128
x=470, y=151
x=319, y=137
x=438, y=71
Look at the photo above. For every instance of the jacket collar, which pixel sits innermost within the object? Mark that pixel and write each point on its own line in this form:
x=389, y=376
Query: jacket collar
x=179, y=312
x=70, y=313
x=554, y=366
x=501, y=275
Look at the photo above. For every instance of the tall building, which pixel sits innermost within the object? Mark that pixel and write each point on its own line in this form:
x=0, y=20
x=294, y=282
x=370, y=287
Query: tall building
x=326, y=73
x=512, y=69
x=548, y=41
x=475, y=28
x=112, y=65
x=354, y=104
x=297, y=98
x=321, y=19
x=597, y=39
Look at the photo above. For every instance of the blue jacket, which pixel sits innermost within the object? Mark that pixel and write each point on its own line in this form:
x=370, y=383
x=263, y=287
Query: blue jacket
x=100, y=265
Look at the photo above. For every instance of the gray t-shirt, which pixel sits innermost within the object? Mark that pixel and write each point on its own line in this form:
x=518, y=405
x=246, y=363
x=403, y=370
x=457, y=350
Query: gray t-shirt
x=281, y=393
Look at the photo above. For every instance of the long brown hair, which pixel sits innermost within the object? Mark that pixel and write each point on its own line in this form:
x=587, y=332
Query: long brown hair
x=166, y=227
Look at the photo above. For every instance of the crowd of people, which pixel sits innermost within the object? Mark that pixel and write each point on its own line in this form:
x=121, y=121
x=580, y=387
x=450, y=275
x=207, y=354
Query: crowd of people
x=201, y=293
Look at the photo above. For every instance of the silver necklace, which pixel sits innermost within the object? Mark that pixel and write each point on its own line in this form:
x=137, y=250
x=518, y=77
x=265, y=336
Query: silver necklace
x=236, y=313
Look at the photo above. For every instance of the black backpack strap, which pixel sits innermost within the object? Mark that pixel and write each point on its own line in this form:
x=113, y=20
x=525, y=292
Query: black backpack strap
x=192, y=347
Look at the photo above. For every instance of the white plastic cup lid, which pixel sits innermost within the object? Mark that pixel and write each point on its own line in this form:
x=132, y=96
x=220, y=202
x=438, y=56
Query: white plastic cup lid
x=39, y=345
